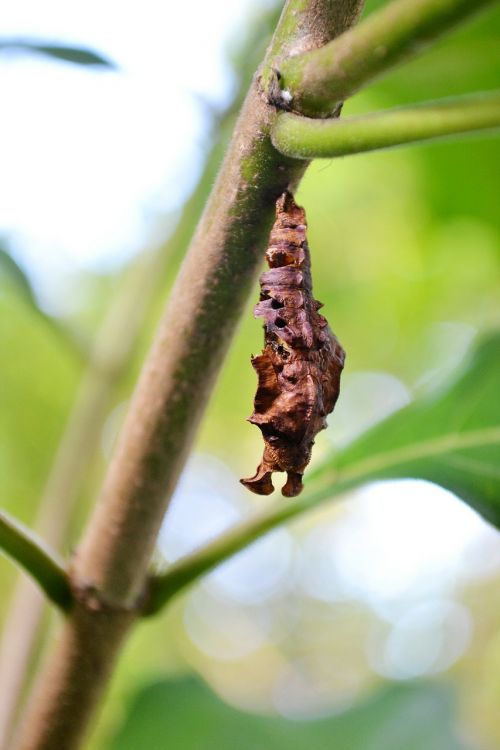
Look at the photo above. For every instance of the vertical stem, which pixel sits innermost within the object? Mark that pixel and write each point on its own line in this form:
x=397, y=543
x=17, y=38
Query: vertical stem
x=114, y=346
x=110, y=566
x=19, y=637
x=32, y=554
x=55, y=720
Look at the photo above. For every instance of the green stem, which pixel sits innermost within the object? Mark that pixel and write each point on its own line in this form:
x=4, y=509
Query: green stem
x=188, y=569
x=41, y=563
x=304, y=138
x=291, y=38
x=318, y=80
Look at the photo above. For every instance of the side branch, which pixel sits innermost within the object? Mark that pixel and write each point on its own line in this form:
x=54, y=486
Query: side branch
x=41, y=563
x=188, y=569
x=305, y=138
x=317, y=81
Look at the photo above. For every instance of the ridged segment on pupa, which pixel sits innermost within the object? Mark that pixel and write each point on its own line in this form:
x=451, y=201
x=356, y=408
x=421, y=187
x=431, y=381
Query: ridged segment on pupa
x=300, y=366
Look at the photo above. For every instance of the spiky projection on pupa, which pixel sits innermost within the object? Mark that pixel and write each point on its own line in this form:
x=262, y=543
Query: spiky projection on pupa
x=300, y=366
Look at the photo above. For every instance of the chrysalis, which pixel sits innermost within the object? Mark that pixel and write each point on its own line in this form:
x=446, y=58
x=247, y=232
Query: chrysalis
x=300, y=366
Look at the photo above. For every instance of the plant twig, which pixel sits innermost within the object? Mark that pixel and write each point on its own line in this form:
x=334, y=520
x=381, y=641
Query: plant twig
x=24, y=615
x=21, y=544
x=110, y=566
x=179, y=575
x=319, y=80
x=108, y=361
x=305, y=138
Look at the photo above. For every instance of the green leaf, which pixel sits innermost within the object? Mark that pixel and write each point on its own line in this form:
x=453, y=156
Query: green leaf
x=76, y=55
x=13, y=271
x=186, y=714
x=16, y=275
x=37, y=559
x=451, y=437
x=38, y=378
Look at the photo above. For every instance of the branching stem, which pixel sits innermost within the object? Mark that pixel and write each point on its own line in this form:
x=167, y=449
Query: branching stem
x=318, y=80
x=109, y=569
x=109, y=358
x=305, y=138
x=37, y=559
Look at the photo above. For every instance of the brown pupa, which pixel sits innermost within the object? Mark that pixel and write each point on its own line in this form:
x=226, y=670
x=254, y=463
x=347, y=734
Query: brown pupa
x=300, y=366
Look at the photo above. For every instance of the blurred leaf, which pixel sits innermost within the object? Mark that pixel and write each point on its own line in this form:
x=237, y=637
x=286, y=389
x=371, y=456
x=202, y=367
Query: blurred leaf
x=76, y=55
x=10, y=269
x=37, y=384
x=186, y=714
x=13, y=271
x=451, y=437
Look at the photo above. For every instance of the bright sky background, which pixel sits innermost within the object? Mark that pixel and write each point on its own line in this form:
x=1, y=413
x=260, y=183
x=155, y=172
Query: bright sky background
x=88, y=158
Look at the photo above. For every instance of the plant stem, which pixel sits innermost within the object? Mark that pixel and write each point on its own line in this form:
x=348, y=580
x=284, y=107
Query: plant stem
x=188, y=569
x=37, y=559
x=110, y=566
x=19, y=635
x=292, y=37
x=109, y=359
x=304, y=138
x=319, y=80
x=330, y=483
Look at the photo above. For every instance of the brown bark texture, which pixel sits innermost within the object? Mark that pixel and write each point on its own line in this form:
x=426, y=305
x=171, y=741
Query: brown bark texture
x=87, y=651
x=300, y=366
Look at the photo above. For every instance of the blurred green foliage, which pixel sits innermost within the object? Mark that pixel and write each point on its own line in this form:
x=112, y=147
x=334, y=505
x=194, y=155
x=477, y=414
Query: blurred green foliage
x=450, y=437
x=192, y=717
x=38, y=378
